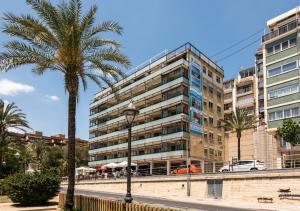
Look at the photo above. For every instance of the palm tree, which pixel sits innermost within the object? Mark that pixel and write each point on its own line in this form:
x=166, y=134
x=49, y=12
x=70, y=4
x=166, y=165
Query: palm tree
x=39, y=147
x=63, y=39
x=11, y=117
x=239, y=120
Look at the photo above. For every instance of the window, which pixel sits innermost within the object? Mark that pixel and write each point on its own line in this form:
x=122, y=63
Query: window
x=211, y=90
x=205, y=120
x=285, y=45
x=211, y=121
x=227, y=106
x=210, y=74
x=219, y=139
x=228, y=96
x=283, y=91
x=219, y=95
x=210, y=105
x=204, y=104
x=211, y=137
x=277, y=48
x=274, y=71
x=204, y=88
x=286, y=113
x=295, y=112
x=282, y=69
x=289, y=66
x=282, y=46
x=292, y=42
x=218, y=79
x=219, y=109
x=204, y=69
x=270, y=50
x=206, y=152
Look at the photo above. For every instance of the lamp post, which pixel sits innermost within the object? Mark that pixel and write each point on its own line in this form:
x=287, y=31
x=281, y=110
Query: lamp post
x=17, y=155
x=130, y=112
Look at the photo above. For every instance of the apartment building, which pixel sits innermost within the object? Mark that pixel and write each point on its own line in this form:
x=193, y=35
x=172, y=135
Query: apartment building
x=260, y=103
x=281, y=73
x=53, y=140
x=247, y=91
x=281, y=59
x=180, y=98
x=241, y=92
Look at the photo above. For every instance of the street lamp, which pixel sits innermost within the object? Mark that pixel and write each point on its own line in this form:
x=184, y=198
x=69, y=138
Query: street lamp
x=17, y=155
x=130, y=112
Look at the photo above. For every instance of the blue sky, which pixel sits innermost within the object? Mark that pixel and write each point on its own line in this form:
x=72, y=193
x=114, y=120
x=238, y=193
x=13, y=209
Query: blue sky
x=149, y=28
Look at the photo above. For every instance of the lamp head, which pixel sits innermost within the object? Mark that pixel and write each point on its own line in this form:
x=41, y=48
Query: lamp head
x=17, y=155
x=130, y=112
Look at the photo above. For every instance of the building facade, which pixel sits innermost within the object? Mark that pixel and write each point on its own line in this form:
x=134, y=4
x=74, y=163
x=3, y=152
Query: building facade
x=247, y=91
x=180, y=99
x=54, y=140
x=281, y=77
x=242, y=92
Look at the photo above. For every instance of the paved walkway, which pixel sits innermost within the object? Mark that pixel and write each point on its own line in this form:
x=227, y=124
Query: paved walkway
x=184, y=202
x=14, y=207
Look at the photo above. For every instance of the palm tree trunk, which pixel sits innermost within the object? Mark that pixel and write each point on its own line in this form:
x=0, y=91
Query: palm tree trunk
x=71, y=150
x=239, y=135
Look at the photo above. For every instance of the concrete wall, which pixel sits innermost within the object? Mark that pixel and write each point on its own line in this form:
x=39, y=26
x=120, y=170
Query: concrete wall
x=256, y=143
x=247, y=186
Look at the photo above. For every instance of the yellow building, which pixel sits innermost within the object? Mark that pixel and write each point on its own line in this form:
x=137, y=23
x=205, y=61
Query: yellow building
x=180, y=98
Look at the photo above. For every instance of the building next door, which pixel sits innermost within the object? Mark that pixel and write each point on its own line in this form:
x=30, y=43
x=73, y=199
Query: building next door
x=214, y=188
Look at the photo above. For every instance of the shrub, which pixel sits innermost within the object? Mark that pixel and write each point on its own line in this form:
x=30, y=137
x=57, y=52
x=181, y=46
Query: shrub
x=2, y=189
x=33, y=189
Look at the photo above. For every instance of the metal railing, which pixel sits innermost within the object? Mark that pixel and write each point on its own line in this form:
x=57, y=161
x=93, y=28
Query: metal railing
x=283, y=29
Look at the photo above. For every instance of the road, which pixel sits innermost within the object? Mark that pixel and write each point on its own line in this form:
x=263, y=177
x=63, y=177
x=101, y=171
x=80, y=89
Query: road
x=165, y=202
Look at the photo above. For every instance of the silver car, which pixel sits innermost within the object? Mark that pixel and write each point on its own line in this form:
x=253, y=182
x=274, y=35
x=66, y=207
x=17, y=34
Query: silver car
x=244, y=165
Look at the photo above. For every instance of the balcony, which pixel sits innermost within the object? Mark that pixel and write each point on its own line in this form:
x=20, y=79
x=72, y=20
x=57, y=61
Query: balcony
x=245, y=102
x=153, y=156
x=260, y=96
x=244, y=91
x=282, y=30
x=140, y=97
x=142, y=142
x=261, y=109
x=143, y=127
x=144, y=111
x=127, y=89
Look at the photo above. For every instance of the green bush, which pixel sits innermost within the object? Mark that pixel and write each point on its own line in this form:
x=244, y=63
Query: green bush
x=2, y=189
x=34, y=188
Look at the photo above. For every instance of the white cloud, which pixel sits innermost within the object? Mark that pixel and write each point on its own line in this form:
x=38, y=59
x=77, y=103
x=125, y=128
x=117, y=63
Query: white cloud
x=14, y=130
x=11, y=88
x=52, y=98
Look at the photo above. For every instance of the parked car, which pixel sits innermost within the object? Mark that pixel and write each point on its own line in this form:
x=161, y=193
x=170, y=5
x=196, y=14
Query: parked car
x=244, y=165
x=193, y=169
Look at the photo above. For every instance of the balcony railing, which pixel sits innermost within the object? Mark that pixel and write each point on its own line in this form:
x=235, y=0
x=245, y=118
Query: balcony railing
x=245, y=102
x=283, y=29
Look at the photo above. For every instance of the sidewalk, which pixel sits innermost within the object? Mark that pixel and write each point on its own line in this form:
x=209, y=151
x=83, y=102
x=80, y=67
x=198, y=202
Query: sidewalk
x=52, y=206
x=176, y=195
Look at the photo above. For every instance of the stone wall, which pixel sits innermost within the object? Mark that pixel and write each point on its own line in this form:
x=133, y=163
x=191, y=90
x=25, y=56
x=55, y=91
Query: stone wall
x=256, y=143
x=246, y=186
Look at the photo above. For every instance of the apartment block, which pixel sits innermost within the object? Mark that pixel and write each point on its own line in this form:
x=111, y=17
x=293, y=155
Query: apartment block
x=242, y=92
x=180, y=98
x=53, y=140
x=247, y=91
x=281, y=73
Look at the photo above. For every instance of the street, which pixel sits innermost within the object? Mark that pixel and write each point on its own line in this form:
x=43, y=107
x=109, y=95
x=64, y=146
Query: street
x=165, y=202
